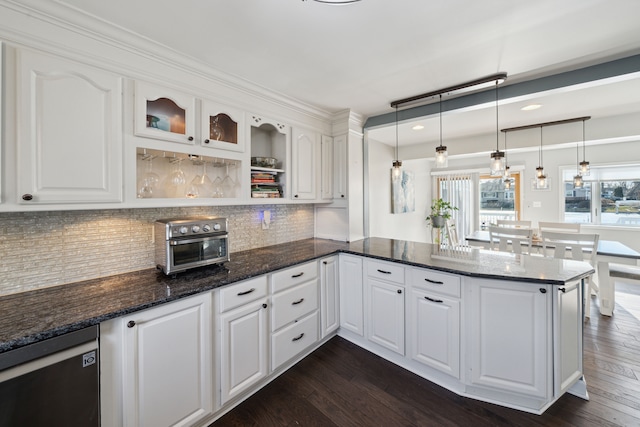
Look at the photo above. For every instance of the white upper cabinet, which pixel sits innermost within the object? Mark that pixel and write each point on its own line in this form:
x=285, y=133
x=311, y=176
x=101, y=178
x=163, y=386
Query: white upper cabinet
x=339, y=166
x=70, y=131
x=166, y=114
x=221, y=127
x=306, y=158
x=326, y=169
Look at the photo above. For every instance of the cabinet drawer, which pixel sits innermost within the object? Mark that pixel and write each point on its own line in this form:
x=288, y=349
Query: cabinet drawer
x=293, y=339
x=241, y=293
x=386, y=271
x=435, y=281
x=293, y=276
x=293, y=304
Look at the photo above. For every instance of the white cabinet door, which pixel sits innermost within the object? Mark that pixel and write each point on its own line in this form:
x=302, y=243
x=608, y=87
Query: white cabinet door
x=509, y=328
x=329, y=295
x=163, y=113
x=168, y=364
x=70, y=131
x=568, y=336
x=351, y=294
x=243, y=356
x=221, y=127
x=326, y=169
x=340, y=167
x=435, y=331
x=385, y=314
x=306, y=158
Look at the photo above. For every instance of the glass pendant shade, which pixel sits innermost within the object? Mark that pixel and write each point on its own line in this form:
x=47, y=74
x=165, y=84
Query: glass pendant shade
x=584, y=168
x=539, y=172
x=441, y=157
x=396, y=171
x=577, y=181
x=542, y=182
x=497, y=163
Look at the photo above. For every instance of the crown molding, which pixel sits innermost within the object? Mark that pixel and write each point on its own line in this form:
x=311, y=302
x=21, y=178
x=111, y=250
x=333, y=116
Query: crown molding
x=65, y=17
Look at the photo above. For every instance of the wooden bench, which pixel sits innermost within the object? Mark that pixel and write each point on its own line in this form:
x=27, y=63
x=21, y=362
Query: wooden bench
x=624, y=271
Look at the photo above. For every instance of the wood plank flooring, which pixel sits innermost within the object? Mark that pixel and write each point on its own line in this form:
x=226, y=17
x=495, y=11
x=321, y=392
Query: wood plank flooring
x=341, y=384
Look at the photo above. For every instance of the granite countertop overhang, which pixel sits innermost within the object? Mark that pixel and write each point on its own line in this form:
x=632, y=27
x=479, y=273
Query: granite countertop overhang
x=34, y=316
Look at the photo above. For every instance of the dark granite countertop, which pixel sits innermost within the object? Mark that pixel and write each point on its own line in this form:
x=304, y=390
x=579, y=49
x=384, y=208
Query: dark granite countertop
x=34, y=316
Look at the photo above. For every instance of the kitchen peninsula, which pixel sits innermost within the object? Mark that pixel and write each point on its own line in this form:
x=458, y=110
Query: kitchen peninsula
x=497, y=327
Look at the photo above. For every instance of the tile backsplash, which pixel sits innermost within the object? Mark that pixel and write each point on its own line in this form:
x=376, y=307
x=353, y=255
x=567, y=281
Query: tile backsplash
x=41, y=249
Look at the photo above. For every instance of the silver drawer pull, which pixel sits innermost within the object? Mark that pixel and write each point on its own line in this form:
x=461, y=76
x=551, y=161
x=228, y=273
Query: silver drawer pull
x=297, y=302
x=435, y=282
x=297, y=275
x=246, y=292
x=298, y=338
x=384, y=272
x=439, y=301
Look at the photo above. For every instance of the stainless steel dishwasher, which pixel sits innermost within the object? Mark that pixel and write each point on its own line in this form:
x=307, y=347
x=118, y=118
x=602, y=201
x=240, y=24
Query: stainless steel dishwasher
x=55, y=382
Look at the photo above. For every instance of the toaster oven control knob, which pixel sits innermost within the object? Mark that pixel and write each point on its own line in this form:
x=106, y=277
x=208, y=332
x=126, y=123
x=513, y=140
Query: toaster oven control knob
x=206, y=228
x=195, y=228
x=183, y=230
x=216, y=226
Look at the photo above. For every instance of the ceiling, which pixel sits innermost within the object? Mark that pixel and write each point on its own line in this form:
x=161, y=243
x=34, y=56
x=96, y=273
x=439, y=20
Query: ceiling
x=363, y=55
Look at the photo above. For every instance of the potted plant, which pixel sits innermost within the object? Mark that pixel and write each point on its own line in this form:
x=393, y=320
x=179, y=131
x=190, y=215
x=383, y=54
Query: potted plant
x=440, y=212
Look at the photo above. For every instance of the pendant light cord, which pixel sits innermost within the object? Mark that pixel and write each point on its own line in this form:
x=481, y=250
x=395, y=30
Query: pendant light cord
x=583, y=152
x=497, y=130
x=540, y=153
x=396, y=132
x=440, y=120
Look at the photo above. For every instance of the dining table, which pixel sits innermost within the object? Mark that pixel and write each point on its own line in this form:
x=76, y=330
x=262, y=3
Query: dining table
x=609, y=251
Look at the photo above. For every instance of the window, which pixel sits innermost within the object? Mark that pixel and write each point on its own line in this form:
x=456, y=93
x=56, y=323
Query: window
x=610, y=196
x=498, y=202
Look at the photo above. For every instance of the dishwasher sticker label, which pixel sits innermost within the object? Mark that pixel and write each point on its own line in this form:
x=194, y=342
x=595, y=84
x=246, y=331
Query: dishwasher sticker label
x=88, y=359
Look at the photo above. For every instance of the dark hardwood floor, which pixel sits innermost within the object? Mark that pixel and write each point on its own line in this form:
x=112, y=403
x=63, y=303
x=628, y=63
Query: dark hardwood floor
x=341, y=384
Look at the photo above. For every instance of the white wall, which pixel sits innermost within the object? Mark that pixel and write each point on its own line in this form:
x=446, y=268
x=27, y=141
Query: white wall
x=412, y=226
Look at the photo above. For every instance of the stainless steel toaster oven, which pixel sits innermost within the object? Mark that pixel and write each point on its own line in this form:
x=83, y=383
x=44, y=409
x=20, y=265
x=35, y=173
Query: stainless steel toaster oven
x=187, y=243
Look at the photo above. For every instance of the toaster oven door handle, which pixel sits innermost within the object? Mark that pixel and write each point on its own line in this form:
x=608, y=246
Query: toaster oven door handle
x=177, y=242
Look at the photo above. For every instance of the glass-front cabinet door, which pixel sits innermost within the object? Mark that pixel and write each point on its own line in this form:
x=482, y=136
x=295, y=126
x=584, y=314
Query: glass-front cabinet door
x=221, y=127
x=166, y=114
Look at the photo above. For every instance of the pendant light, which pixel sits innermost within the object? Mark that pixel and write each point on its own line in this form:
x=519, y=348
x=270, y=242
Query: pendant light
x=585, y=170
x=497, y=157
x=397, y=164
x=506, y=178
x=441, y=150
x=577, y=179
x=541, y=182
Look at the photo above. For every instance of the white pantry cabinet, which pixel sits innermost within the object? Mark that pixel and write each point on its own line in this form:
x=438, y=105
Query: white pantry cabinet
x=168, y=364
x=326, y=168
x=509, y=337
x=329, y=295
x=243, y=336
x=306, y=153
x=69, y=146
x=339, y=167
x=351, y=294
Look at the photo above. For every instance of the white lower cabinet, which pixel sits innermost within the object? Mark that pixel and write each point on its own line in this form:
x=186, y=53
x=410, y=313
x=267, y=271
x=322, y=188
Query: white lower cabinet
x=351, y=294
x=243, y=337
x=168, y=364
x=568, y=332
x=509, y=337
x=294, y=312
x=434, y=320
x=385, y=314
x=329, y=295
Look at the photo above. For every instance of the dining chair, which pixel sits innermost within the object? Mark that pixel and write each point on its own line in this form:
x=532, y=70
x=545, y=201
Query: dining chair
x=576, y=246
x=559, y=227
x=452, y=233
x=513, y=223
x=509, y=239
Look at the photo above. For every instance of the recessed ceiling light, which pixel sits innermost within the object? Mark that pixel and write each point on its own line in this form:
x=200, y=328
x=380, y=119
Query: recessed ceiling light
x=418, y=127
x=531, y=107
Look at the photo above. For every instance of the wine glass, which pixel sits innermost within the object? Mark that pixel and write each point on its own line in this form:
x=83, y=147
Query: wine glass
x=150, y=180
x=176, y=179
x=228, y=185
x=201, y=185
